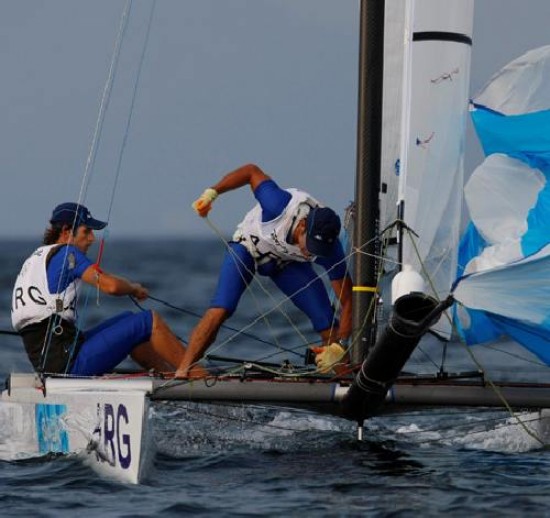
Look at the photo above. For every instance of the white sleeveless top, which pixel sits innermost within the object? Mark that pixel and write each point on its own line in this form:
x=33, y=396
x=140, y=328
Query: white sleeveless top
x=267, y=241
x=31, y=300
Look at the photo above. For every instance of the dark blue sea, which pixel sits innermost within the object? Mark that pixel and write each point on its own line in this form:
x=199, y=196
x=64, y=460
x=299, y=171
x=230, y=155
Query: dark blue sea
x=263, y=461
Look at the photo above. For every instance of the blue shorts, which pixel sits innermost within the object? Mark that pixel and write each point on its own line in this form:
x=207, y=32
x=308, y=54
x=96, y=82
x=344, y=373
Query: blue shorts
x=110, y=342
x=238, y=269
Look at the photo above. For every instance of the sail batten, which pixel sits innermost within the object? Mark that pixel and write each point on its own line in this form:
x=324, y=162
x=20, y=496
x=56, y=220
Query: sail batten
x=442, y=36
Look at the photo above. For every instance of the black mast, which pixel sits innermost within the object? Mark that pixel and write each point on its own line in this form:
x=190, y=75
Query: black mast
x=369, y=148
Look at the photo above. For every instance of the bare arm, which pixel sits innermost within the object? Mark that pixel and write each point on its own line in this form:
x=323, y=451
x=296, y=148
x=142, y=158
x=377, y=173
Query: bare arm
x=248, y=174
x=343, y=290
x=113, y=285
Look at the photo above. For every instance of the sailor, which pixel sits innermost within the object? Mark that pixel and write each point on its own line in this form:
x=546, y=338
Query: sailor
x=44, y=307
x=280, y=237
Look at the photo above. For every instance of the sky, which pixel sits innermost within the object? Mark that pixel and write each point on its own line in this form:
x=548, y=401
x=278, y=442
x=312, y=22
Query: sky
x=221, y=83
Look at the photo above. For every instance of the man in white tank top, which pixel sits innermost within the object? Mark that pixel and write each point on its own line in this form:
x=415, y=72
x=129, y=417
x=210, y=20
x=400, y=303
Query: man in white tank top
x=280, y=237
x=44, y=305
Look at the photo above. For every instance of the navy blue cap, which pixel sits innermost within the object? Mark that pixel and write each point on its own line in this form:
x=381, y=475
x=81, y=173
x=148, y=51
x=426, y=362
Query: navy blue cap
x=322, y=230
x=75, y=214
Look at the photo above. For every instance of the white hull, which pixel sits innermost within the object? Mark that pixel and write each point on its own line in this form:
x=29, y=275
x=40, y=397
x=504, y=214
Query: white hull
x=107, y=421
x=104, y=421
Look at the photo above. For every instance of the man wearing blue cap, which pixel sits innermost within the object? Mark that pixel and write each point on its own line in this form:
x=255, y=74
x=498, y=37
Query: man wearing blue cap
x=280, y=237
x=44, y=307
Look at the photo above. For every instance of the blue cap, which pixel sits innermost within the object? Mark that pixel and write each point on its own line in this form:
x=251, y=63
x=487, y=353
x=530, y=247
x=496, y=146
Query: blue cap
x=322, y=230
x=75, y=214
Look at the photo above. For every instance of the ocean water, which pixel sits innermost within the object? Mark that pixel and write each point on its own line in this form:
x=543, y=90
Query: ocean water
x=256, y=460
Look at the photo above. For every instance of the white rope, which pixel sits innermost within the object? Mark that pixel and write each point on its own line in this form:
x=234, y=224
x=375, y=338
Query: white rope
x=131, y=110
x=92, y=152
x=277, y=306
x=105, y=98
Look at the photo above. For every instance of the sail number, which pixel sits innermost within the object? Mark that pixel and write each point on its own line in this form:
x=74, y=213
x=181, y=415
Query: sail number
x=115, y=430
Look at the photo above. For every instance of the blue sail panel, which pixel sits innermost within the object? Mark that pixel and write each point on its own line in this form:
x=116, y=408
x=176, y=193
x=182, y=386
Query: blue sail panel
x=504, y=275
x=512, y=300
x=535, y=339
x=485, y=327
x=474, y=326
x=526, y=137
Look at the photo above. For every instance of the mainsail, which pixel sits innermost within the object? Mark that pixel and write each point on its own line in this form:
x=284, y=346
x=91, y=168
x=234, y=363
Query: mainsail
x=505, y=252
x=426, y=83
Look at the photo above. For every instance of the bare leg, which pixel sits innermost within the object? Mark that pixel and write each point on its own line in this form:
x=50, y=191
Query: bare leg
x=163, y=351
x=202, y=336
x=143, y=356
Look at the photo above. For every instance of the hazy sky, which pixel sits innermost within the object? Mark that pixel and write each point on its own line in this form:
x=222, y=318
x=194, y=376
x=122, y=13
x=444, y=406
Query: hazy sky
x=224, y=82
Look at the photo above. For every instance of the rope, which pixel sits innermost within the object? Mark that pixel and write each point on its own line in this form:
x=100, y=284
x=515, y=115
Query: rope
x=279, y=304
x=192, y=313
x=55, y=321
x=105, y=97
x=224, y=326
x=258, y=282
x=93, y=153
x=472, y=356
x=132, y=104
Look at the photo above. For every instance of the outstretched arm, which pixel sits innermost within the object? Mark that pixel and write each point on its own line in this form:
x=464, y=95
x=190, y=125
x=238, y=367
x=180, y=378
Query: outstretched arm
x=248, y=174
x=112, y=284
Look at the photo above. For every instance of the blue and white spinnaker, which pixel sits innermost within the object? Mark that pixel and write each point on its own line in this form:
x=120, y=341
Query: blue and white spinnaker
x=504, y=257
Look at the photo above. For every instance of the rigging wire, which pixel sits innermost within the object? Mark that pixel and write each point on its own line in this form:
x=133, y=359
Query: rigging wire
x=225, y=326
x=478, y=364
x=56, y=320
x=218, y=233
x=105, y=99
x=132, y=105
x=278, y=305
x=96, y=140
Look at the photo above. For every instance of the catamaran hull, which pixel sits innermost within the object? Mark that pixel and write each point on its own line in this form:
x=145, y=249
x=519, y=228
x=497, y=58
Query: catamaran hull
x=106, y=422
x=469, y=394
x=315, y=395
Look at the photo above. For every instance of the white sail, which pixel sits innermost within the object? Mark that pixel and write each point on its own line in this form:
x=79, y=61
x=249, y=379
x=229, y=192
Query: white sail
x=395, y=46
x=426, y=83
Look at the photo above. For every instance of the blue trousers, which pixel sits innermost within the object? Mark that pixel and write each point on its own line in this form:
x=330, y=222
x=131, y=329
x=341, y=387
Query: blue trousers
x=110, y=342
x=238, y=269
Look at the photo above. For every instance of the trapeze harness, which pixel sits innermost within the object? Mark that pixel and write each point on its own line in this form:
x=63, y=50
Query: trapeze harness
x=46, y=321
x=266, y=241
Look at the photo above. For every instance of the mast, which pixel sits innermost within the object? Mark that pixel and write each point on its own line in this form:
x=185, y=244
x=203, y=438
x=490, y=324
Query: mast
x=438, y=85
x=369, y=148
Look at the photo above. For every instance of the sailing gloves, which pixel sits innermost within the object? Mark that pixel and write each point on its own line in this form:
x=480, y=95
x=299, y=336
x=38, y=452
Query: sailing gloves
x=203, y=204
x=329, y=357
